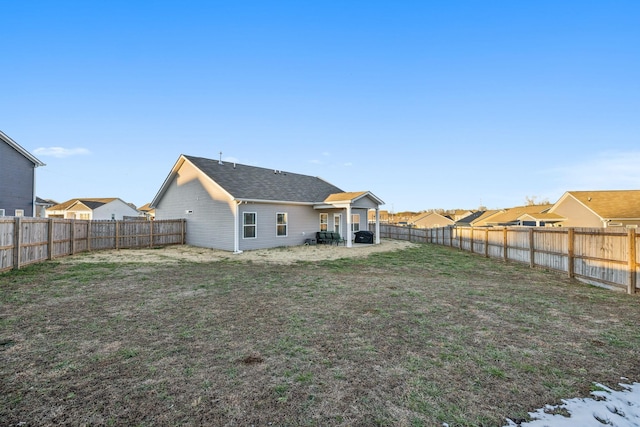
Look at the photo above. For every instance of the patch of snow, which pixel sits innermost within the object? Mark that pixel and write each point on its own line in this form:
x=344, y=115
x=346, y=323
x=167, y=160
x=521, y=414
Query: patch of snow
x=615, y=408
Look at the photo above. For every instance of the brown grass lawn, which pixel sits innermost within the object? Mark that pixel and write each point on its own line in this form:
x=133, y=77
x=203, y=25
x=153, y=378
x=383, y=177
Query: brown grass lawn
x=416, y=337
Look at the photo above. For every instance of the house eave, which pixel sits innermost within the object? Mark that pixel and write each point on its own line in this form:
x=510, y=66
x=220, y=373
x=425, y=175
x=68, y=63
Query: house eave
x=273, y=202
x=20, y=150
x=323, y=206
x=621, y=219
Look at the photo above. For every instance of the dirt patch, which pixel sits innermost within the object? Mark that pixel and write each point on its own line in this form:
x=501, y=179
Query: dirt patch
x=280, y=255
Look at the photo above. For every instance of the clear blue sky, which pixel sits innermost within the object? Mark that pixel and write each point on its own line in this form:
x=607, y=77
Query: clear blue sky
x=428, y=104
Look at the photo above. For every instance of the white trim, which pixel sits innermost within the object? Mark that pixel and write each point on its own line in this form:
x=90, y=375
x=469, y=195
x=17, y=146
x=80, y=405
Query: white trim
x=349, y=237
x=377, y=226
x=353, y=222
x=255, y=225
x=20, y=150
x=339, y=223
x=236, y=229
x=320, y=221
x=286, y=224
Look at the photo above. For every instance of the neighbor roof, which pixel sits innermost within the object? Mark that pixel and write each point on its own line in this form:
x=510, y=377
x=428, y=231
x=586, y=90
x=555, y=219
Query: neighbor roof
x=512, y=214
x=616, y=204
x=470, y=218
x=545, y=216
x=90, y=203
x=244, y=182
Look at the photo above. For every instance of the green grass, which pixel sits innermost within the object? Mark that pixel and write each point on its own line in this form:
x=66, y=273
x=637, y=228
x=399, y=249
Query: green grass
x=418, y=337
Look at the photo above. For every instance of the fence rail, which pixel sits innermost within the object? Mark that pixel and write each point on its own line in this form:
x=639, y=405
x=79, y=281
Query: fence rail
x=25, y=241
x=604, y=257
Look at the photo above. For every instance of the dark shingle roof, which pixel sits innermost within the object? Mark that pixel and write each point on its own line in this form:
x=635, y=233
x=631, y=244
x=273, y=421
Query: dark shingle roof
x=470, y=218
x=255, y=183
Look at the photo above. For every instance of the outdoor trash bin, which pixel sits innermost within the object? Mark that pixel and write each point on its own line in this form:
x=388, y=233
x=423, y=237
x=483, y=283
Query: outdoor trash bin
x=364, y=237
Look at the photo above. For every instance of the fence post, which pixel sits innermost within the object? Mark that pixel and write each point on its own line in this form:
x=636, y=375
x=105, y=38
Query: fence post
x=117, y=233
x=89, y=235
x=486, y=243
x=150, y=233
x=470, y=239
x=17, y=228
x=504, y=243
x=184, y=230
x=50, y=238
x=631, y=288
x=571, y=252
x=72, y=234
x=532, y=255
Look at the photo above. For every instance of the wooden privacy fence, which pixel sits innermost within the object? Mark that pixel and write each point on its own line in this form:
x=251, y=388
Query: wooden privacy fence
x=600, y=256
x=26, y=241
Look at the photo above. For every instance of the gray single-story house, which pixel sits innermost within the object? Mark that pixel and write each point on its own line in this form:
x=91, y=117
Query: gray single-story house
x=18, y=179
x=236, y=207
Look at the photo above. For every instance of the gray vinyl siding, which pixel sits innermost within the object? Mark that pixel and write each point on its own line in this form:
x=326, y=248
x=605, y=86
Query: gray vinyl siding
x=210, y=211
x=118, y=209
x=17, y=178
x=211, y=223
x=303, y=222
x=364, y=220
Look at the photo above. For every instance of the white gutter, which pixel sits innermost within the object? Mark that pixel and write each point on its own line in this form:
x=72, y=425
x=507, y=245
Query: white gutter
x=236, y=228
x=279, y=202
x=33, y=194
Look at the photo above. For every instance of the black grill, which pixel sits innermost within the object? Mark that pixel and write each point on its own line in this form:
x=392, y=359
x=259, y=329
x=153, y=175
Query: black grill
x=364, y=237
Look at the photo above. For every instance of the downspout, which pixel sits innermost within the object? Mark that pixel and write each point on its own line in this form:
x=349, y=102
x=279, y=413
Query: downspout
x=33, y=193
x=236, y=228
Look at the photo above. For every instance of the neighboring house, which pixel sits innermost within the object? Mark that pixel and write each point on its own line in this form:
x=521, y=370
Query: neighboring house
x=479, y=219
x=111, y=208
x=616, y=208
x=383, y=216
x=147, y=211
x=237, y=207
x=17, y=178
x=522, y=215
x=469, y=219
x=458, y=214
x=42, y=205
x=430, y=220
x=401, y=218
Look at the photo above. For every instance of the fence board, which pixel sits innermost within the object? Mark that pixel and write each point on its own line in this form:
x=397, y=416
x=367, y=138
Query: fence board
x=606, y=257
x=26, y=241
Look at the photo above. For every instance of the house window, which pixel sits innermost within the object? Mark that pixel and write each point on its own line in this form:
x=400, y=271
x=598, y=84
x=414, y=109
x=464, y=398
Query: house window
x=84, y=216
x=1, y=212
x=281, y=224
x=249, y=225
x=19, y=212
x=324, y=222
x=355, y=222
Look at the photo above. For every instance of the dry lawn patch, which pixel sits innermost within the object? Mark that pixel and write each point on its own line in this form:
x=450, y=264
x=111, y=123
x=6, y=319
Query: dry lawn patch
x=418, y=336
